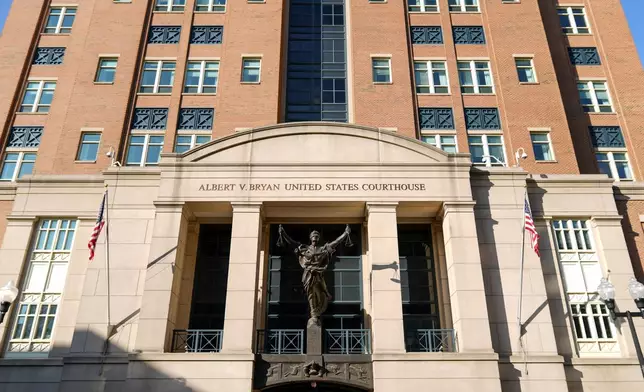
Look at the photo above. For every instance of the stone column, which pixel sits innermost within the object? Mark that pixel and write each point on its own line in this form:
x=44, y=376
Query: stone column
x=245, y=245
x=386, y=300
x=465, y=277
x=160, y=301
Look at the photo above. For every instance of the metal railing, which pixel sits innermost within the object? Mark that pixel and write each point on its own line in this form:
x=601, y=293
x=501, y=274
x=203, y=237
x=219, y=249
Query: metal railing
x=431, y=340
x=280, y=341
x=197, y=340
x=347, y=341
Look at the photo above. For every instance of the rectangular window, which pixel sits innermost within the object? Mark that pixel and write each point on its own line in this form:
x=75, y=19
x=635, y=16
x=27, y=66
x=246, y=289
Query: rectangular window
x=106, y=70
x=541, y=146
x=42, y=289
x=431, y=77
x=210, y=6
x=525, y=70
x=251, y=68
x=475, y=77
x=17, y=164
x=423, y=5
x=381, y=70
x=573, y=20
x=581, y=274
x=60, y=20
x=88, y=148
x=38, y=96
x=594, y=96
x=170, y=5
x=446, y=143
x=464, y=5
x=614, y=164
x=158, y=77
x=201, y=77
x=144, y=149
x=487, y=150
x=188, y=141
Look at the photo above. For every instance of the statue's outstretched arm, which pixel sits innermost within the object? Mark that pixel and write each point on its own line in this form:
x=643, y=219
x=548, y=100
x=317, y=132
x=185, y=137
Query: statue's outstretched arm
x=334, y=244
x=290, y=241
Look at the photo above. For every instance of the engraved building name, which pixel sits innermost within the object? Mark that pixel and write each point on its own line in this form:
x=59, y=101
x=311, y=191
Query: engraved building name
x=314, y=187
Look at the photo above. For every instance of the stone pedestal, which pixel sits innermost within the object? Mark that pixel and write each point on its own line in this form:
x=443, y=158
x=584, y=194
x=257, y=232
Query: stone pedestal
x=314, y=340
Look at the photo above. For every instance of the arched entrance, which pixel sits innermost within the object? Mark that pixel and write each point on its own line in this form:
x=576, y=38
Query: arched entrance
x=313, y=386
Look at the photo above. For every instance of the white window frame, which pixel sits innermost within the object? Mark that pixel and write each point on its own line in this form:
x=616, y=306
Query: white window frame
x=531, y=67
x=579, y=262
x=21, y=159
x=157, y=77
x=259, y=68
x=81, y=143
x=424, y=8
x=61, y=17
x=170, y=6
x=212, y=7
x=429, y=65
x=475, y=82
x=202, y=76
x=460, y=6
x=101, y=67
x=590, y=87
x=146, y=145
x=439, y=140
x=374, y=59
x=614, y=173
x=39, y=90
x=486, y=148
x=548, y=142
x=573, y=22
x=193, y=137
x=49, y=258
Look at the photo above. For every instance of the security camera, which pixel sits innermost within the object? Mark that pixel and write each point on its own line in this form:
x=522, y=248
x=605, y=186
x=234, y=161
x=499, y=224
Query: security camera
x=524, y=155
x=109, y=154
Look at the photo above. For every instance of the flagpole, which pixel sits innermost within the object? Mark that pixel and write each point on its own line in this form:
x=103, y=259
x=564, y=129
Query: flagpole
x=107, y=266
x=520, y=305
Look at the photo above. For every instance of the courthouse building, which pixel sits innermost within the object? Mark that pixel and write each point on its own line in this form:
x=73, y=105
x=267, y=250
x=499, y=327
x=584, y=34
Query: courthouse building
x=226, y=131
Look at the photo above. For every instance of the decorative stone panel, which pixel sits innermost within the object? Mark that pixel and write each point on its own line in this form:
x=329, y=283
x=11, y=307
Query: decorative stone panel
x=49, y=56
x=207, y=35
x=584, y=56
x=472, y=35
x=150, y=118
x=607, y=136
x=436, y=118
x=164, y=35
x=482, y=118
x=25, y=137
x=427, y=35
x=196, y=118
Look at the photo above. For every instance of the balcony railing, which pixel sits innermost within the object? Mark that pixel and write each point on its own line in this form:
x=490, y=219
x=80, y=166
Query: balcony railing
x=280, y=341
x=196, y=340
x=348, y=341
x=431, y=340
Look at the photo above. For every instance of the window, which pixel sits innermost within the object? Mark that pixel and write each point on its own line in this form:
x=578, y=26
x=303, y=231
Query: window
x=144, y=149
x=381, y=70
x=464, y=5
x=541, y=146
x=170, y=5
x=431, y=77
x=187, y=141
x=17, y=164
x=445, y=142
x=581, y=274
x=106, y=70
x=487, y=150
x=525, y=70
x=423, y=5
x=573, y=20
x=210, y=6
x=475, y=77
x=60, y=20
x=251, y=68
x=42, y=289
x=614, y=164
x=201, y=77
x=158, y=77
x=594, y=97
x=88, y=149
x=38, y=96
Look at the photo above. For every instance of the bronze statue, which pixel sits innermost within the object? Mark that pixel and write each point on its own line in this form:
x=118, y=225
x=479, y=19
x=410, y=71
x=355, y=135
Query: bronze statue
x=314, y=260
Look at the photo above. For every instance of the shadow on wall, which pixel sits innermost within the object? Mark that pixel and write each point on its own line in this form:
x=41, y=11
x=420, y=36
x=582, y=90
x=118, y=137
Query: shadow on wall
x=630, y=233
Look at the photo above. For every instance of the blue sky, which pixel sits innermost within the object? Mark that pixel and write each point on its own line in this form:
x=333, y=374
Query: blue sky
x=634, y=12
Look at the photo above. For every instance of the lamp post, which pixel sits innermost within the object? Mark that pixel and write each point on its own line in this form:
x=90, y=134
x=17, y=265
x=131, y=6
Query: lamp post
x=606, y=292
x=8, y=294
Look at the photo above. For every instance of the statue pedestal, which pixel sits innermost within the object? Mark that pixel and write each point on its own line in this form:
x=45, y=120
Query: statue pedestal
x=314, y=340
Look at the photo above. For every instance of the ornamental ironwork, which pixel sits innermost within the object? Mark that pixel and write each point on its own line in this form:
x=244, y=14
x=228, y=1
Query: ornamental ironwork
x=584, y=56
x=427, y=35
x=436, y=118
x=197, y=340
x=196, y=118
x=164, y=34
x=49, y=56
x=607, y=136
x=472, y=35
x=150, y=118
x=207, y=35
x=482, y=118
x=25, y=137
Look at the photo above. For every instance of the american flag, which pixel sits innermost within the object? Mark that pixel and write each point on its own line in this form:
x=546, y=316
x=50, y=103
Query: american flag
x=97, y=229
x=529, y=227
